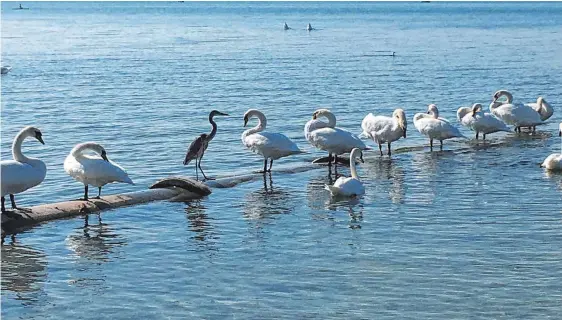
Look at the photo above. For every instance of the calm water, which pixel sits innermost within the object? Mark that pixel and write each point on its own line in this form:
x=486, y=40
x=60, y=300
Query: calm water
x=470, y=232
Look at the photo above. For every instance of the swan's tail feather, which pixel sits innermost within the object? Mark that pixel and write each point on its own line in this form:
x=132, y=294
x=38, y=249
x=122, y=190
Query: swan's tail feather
x=128, y=180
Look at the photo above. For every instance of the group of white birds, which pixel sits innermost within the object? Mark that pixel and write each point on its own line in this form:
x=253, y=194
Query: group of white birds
x=88, y=162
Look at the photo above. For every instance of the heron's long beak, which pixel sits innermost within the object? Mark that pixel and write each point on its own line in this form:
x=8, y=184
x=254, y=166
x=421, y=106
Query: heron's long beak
x=223, y=114
x=40, y=138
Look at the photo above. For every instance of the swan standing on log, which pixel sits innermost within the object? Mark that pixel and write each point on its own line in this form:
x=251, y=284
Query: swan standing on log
x=476, y=120
x=385, y=129
x=429, y=124
x=197, y=148
x=349, y=187
x=270, y=145
x=93, y=169
x=544, y=109
x=22, y=173
x=325, y=136
x=554, y=161
x=517, y=115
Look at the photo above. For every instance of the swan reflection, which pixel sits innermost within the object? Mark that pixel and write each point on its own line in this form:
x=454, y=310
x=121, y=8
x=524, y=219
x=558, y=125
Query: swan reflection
x=267, y=202
x=199, y=224
x=387, y=176
x=94, y=241
x=23, y=270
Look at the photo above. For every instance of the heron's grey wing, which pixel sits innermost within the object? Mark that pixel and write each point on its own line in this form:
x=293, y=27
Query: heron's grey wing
x=193, y=150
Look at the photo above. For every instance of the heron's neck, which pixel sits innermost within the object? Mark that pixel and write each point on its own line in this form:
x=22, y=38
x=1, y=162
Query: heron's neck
x=262, y=122
x=331, y=119
x=211, y=135
x=352, y=168
x=16, y=148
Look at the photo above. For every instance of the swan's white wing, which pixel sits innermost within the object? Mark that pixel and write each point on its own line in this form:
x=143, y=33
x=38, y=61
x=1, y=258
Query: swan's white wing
x=436, y=128
x=545, y=113
x=346, y=187
x=553, y=162
x=313, y=125
x=96, y=171
x=271, y=145
x=17, y=177
x=335, y=140
x=488, y=123
x=381, y=128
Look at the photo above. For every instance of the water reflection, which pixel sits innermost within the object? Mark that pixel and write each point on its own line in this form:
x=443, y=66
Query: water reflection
x=555, y=177
x=424, y=184
x=267, y=202
x=199, y=224
x=23, y=270
x=94, y=241
x=388, y=176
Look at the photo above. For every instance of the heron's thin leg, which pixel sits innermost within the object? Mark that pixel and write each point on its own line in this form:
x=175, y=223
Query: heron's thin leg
x=86, y=192
x=196, y=171
x=3, y=206
x=13, y=200
x=389, y=152
x=204, y=176
x=270, y=164
x=380, y=148
x=264, y=165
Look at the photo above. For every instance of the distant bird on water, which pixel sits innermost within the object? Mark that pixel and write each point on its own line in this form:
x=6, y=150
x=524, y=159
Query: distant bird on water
x=286, y=26
x=309, y=27
x=197, y=148
x=6, y=69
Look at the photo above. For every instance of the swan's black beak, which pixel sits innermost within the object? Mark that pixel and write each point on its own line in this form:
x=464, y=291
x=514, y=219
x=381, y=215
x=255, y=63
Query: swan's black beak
x=560, y=133
x=404, y=133
x=245, y=121
x=473, y=114
x=428, y=112
x=314, y=116
x=104, y=156
x=39, y=137
x=361, y=158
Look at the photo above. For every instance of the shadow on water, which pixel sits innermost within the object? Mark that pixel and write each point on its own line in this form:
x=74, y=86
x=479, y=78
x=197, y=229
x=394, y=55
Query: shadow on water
x=23, y=270
x=95, y=242
x=199, y=224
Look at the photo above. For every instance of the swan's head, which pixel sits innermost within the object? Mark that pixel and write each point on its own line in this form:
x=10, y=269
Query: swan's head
x=476, y=108
x=356, y=153
x=33, y=133
x=432, y=109
x=320, y=113
x=400, y=116
x=217, y=113
x=502, y=92
x=252, y=113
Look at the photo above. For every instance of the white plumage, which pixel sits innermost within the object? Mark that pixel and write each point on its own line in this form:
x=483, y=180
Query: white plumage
x=383, y=129
x=22, y=173
x=325, y=136
x=517, y=115
x=476, y=120
x=349, y=186
x=269, y=145
x=554, y=161
x=430, y=125
x=544, y=109
x=95, y=170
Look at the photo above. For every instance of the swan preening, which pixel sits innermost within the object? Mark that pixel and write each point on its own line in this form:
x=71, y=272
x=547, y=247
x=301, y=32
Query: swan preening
x=554, y=161
x=430, y=125
x=197, y=148
x=544, y=109
x=271, y=146
x=96, y=170
x=22, y=173
x=383, y=129
x=352, y=186
x=476, y=120
x=518, y=115
x=327, y=137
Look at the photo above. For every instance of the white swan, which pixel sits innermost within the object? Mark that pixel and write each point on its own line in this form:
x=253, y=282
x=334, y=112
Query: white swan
x=349, y=187
x=476, y=120
x=429, y=124
x=22, y=173
x=270, y=145
x=385, y=129
x=517, y=115
x=544, y=108
x=325, y=136
x=554, y=161
x=93, y=169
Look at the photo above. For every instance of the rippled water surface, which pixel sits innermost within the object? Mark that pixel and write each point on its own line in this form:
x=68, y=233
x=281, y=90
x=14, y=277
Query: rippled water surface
x=473, y=231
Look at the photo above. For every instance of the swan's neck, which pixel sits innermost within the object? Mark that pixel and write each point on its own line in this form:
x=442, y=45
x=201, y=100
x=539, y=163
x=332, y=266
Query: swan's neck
x=211, y=135
x=16, y=148
x=353, y=169
x=262, y=122
x=79, y=149
x=331, y=119
x=508, y=96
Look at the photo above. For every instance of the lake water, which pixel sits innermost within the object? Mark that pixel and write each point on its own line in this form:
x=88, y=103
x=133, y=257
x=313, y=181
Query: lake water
x=473, y=231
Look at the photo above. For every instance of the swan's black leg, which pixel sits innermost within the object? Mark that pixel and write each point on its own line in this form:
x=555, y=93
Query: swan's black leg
x=380, y=148
x=484, y=136
x=99, y=193
x=476, y=135
x=13, y=200
x=441, y=145
x=86, y=192
x=329, y=159
x=431, y=144
x=3, y=206
x=389, y=152
x=270, y=165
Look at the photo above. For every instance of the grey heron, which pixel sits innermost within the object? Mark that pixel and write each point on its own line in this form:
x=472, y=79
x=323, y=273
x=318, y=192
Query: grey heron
x=197, y=148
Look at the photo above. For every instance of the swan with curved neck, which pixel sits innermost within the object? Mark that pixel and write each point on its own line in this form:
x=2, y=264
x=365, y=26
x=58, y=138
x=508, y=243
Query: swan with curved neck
x=544, y=108
x=351, y=186
x=476, y=120
x=327, y=137
x=271, y=146
x=430, y=125
x=385, y=129
x=554, y=161
x=198, y=147
x=22, y=173
x=96, y=170
x=518, y=115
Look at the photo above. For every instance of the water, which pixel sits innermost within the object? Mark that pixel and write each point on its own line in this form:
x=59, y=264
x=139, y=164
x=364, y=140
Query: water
x=473, y=231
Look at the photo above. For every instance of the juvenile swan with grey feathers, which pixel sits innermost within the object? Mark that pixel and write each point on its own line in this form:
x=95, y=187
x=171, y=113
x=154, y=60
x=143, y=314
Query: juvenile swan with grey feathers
x=96, y=170
x=22, y=173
